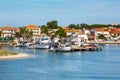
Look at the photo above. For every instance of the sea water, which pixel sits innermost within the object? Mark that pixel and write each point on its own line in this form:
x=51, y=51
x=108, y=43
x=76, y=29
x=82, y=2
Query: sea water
x=78, y=65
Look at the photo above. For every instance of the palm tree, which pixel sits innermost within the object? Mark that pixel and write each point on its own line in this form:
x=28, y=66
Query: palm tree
x=24, y=32
x=29, y=33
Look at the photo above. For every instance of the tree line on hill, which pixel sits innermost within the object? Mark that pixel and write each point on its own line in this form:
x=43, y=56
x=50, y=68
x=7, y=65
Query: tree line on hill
x=87, y=26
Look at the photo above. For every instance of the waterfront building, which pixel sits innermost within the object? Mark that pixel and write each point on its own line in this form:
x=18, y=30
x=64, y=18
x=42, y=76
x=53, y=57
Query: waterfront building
x=86, y=31
x=103, y=31
x=70, y=31
x=83, y=37
x=115, y=33
x=35, y=29
x=8, y=31
x=52, y=32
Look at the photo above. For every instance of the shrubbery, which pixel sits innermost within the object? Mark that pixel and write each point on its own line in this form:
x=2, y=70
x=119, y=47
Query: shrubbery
x=6, y=53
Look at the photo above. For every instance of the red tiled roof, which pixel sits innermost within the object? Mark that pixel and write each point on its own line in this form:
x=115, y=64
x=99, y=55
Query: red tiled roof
x=17, y=29
x=114, y=31
x=31, y=27
x=101, y=29
x=91, y=36
x=41, y=35
x=81, y=32
x=8, y=28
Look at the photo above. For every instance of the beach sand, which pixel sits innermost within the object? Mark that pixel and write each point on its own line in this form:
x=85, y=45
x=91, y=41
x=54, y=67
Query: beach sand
x=19, y=55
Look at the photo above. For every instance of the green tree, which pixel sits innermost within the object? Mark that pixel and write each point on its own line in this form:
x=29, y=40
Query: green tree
x=115, y=26
x=99, y=25
x=83, y=25
x=0, y=33
x=101, y=36
x=61, y=33
x=52, y=24
x=29, y=33
x=24, y=32
x=44, y=29
x=79, y=26
x=74, y=26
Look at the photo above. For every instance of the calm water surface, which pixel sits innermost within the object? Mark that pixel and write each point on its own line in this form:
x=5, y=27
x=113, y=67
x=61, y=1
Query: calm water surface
x=81, y=65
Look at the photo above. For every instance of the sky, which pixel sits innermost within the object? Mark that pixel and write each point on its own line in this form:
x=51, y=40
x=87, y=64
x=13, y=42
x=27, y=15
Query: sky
x=18, y=13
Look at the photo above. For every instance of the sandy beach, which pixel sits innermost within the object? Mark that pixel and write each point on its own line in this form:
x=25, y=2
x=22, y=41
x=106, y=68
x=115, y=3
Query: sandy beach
x=20, y=55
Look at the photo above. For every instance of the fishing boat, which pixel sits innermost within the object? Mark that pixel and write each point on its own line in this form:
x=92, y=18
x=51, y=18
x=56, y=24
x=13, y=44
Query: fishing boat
x=43, y=43
x=63, y=48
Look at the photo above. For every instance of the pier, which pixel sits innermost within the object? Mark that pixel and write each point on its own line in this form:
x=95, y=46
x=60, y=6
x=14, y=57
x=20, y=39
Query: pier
x=86, y=48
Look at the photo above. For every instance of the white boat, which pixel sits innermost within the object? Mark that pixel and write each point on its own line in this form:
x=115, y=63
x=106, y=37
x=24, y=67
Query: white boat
x=51, y=49
x=43, y=43
x=45, y=40
x=42, y=46
x=31, y=46
x=21, y=45
x=63, y=48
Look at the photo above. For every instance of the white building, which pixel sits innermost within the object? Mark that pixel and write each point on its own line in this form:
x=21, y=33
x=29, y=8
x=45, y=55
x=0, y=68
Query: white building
x=8, y=31
x=102, y=31
x=35, y=29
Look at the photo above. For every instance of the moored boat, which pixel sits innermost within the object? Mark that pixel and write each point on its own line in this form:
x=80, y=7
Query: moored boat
x=42, y=46
x=31, y=46
x=43, y=43
x=63, y=48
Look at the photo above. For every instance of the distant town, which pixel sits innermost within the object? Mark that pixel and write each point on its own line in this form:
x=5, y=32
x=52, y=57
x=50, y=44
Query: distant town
x=89, y=33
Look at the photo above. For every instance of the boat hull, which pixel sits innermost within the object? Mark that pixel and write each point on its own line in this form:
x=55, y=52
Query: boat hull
x=42, y=46
x=63, y=49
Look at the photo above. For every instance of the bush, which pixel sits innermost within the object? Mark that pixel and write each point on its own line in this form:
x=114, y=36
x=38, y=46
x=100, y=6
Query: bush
x=6, y=53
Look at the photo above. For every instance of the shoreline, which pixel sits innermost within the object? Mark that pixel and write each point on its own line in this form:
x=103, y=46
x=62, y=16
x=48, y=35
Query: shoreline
x=18, y=56
x=94, y=42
